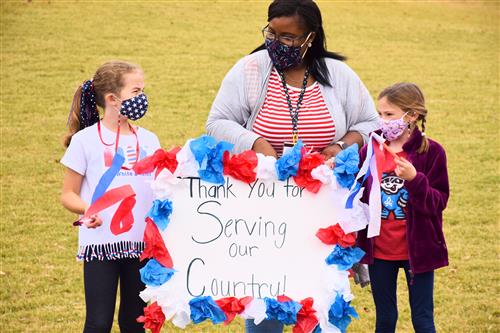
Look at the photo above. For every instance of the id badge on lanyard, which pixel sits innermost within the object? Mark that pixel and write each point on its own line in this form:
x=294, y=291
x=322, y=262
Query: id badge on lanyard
x=287, y=145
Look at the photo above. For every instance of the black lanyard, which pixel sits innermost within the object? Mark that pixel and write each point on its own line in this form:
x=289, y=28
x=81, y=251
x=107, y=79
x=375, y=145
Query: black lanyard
x=294, y=114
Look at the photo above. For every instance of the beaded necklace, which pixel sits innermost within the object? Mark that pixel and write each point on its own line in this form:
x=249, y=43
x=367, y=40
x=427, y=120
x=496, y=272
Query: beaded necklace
x=294, y=114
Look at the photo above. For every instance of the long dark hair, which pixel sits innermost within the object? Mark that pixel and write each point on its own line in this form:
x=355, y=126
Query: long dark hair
x=310, y=15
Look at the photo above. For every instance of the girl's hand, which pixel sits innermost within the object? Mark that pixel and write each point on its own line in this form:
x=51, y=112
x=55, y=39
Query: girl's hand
x=92, y=222
x=404, y=169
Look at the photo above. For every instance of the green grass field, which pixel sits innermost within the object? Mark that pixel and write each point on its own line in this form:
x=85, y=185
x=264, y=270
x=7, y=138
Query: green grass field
x=451, y=49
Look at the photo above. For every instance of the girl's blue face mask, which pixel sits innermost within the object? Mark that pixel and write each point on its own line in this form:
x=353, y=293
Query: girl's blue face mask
x=135, y=108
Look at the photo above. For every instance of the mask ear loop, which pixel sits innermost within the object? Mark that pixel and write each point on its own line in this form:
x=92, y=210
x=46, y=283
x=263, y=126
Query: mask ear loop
x=409, y=127
x=119, y=110
x=117, y=140
x=308, y=45
x=120, y=101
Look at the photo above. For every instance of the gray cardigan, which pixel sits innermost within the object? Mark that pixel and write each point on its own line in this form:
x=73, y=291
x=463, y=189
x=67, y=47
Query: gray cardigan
x=244, y=89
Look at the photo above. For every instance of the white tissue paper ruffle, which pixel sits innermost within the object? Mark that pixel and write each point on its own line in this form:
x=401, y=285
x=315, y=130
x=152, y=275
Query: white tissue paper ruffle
x=337, y=281
x=164, y=184
x=266, y=167
x=174, y=302
x=255, y=310
x=178, y=311
x=325, y=175
x=187, y=164
x=355, y=218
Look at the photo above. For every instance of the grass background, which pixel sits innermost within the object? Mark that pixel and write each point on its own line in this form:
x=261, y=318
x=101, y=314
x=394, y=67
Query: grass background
x=451, y=49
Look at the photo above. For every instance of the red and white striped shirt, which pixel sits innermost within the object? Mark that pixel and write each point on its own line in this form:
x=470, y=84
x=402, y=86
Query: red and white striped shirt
x=273, y=123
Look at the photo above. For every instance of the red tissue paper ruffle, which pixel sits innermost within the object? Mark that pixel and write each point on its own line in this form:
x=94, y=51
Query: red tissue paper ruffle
x=160, y=160
x=306, y=318
x=153, y=318
x=306, y=165
x=232, y=306
x=283, y=298
x=335, y=235
x=241, y=166
x=155, y=247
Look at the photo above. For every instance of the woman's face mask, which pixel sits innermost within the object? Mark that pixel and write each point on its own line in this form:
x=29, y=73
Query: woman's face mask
x=284, y=56
x=135, y=108
x=393, y=129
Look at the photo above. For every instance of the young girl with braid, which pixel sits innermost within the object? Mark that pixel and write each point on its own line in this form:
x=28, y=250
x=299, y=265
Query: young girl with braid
x=414, y=192
x=99, y=158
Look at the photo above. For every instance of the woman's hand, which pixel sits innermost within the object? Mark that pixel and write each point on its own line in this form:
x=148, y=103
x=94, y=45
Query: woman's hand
x=262, y=146
x=330, y=151
x=348, y=139
x=404, y=169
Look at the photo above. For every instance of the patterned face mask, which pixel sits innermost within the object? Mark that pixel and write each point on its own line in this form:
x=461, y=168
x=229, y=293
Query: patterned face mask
x=284, y=56
x=393, y=129
x=135, y=108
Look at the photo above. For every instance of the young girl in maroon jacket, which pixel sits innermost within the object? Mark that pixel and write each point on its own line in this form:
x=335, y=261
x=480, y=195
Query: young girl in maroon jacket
x=414, y=193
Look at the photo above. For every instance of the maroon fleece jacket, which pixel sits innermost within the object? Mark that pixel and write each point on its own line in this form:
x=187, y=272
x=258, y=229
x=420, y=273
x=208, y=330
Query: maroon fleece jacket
x=428, y=196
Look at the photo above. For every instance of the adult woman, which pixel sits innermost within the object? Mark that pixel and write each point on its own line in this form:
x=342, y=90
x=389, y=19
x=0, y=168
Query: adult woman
x=291, y=87
x=255, y=110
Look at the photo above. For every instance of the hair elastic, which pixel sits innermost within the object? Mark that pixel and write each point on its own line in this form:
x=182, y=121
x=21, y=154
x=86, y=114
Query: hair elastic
x=88, y=107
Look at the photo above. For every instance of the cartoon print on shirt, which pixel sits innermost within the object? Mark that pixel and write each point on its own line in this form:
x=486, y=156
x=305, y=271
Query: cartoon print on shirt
x=394, y=196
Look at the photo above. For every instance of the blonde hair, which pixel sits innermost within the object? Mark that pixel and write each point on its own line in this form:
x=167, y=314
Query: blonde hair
x=107, y=79
x=409, y=98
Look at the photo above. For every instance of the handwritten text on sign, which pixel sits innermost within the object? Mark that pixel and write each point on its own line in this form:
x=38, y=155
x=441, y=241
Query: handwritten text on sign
x=255, y=239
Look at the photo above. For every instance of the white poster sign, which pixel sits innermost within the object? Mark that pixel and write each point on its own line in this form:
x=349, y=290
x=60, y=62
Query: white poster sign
x=256, y=239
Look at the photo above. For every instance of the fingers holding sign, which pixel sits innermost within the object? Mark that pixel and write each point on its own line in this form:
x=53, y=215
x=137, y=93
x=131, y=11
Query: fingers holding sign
x=95, y=221
x=90, y=222
x=405, y=169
